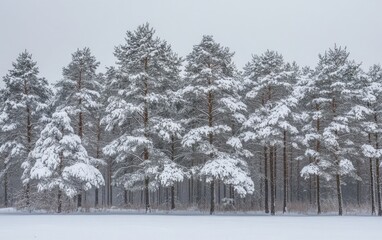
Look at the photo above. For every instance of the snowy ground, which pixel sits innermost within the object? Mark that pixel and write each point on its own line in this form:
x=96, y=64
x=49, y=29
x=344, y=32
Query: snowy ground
x=196, y=227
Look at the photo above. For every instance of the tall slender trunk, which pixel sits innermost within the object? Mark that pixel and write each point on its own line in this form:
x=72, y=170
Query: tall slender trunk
x=272, y=177
x=318, y=143
x=173, y=159
x=261, y=186
x=210, y=138
x=298, y=191
x=285, y=172
x=5, y=186
x=80, y=131
x=358, y=167
x=29, y=139
x=212, y=187
x=125, y=199
x=266, y=194
x=146, y=151
x=59, y=201
x=98, y=155
x=371, y=181
x=59, y=192
x=377, y=169
x=339, y=194
x=290, y=181
x=337, y=162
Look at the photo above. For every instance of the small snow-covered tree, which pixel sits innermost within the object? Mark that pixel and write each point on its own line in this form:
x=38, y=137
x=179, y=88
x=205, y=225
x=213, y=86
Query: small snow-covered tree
x=61, y=162
x=78, y=92
x=211, y=93
x=146, y=66
x=23, y=109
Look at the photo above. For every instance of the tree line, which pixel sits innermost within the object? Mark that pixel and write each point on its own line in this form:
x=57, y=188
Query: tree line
x=158, y=130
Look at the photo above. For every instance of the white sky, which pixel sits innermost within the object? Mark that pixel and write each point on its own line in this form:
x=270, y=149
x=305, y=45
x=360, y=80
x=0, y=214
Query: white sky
x=299, y=29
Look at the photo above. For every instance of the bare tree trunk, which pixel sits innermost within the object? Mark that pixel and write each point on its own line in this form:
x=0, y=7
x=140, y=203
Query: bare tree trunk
x=377, y=169
x=261, y=186
x=266, y=180
x=358, y=184
x=146, y=152
x=339, y=194
x=98, y=155
x=272, y=177
x=80, y=132
x=285, y=172
x=125, y=197
x=318, y=144
x=298, y=191
x=212, y=188
x=5, y=188
x=371, y=181
x=59, y=201
x=210, y=122
x=172, y=197
x=378, y=187
x=318, y=190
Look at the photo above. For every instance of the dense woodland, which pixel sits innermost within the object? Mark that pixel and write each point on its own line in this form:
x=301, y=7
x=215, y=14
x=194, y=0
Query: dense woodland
x=157, y=131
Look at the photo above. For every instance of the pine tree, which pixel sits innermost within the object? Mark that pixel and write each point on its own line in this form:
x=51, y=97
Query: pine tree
x=270, y=83
x=79, y=93
x=61, y=162
x=212, y=93
x=24, y=103
x=146, y=64
x=333, y=81
x=365, y=115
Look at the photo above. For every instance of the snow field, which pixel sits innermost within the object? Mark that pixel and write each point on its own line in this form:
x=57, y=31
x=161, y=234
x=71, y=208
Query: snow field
x=168, y=227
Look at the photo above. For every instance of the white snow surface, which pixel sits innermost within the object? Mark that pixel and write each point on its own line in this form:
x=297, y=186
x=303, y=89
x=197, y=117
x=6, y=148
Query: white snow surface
x=175, y=226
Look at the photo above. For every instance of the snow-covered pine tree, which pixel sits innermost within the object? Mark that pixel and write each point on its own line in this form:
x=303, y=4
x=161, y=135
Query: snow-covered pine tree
x=211, y=93
x=366, y=122
x=146, y=64
x=23, y=108
x=333, y=80
x=270, y=83
x=61, y=162
x=78, y=92
x=169, y=125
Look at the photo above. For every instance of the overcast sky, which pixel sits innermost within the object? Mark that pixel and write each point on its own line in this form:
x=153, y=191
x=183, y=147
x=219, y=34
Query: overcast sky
x=299, y=29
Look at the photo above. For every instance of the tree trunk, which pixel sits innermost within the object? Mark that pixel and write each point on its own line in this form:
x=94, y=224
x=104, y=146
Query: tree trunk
x=298, y=191
x=147, y=195
x=80, y=131
x=172, y=197
x=210, y=136
x=145, y=123
x=318, y=144
x=285, y=172
x=318, y=194
x=266, y=194
x=339, y=194
x=5, y=188
x=59, y=201
x=29, y=137
x=272, y=177
x=98, y=155
x=212, y=188
x=79, y=199
x=125, y=197
x=378, y=188
x=377, y=168
x=371, y=182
